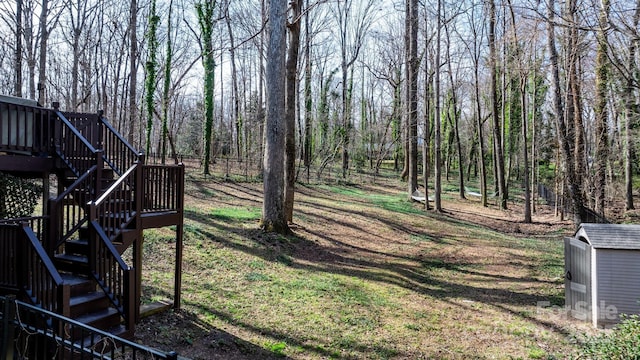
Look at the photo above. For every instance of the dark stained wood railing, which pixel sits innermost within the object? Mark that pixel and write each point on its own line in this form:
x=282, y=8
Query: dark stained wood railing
x=27, y=267
x=113, y=275
x=39, y=277
x=88, y=125
x=36, y=223
x=163, y=188
x=70, y=210
x=8, y=253
x=118, y=153
x=76, y=152
x=25, y=128
x=116, y=207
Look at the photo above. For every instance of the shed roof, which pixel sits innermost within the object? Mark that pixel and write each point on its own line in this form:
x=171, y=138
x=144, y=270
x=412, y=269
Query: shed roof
x=611, y=236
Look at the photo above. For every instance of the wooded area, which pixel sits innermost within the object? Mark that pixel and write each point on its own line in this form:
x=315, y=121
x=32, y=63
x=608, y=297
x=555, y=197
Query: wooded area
x=509, y=93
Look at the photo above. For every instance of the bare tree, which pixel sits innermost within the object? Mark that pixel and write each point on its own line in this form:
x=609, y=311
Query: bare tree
x=497, y=132
x=354, y=19
x=602, y=129
x=273, y=212
x=290, y=112
x=411, y=93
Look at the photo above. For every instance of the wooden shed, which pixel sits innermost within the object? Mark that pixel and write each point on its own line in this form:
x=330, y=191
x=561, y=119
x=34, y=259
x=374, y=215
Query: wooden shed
x=602, y=272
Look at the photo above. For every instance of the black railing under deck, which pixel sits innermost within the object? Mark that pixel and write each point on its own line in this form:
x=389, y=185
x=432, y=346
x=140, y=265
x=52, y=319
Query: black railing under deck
x=32, y=333
x=36, y=223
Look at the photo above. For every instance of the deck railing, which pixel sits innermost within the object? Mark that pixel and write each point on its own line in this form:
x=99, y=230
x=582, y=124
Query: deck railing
x=33, y=333
x=70, y=207
x=116, y=207
x=25, y=128
x=118, y=153
x=36, y=223
x=27, y=268
x=163, y=188
x=76, y=152
x=112, y=274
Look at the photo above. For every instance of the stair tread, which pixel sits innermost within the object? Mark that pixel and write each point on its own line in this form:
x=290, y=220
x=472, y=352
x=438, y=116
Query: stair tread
x=96, y=316
x=84, y=298
x=72, y=258
x=73, y=279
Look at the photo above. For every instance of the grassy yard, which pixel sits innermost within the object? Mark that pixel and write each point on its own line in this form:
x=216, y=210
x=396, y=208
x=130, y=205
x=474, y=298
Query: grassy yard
x=365, y=275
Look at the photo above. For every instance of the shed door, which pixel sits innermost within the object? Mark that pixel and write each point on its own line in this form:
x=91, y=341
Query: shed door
x=577, y=280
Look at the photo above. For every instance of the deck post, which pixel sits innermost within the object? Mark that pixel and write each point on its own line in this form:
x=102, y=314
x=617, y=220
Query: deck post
x=7, y=331
x=137, y=244
x=177, y=291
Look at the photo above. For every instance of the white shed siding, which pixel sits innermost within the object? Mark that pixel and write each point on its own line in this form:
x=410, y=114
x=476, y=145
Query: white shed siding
x=617, y=283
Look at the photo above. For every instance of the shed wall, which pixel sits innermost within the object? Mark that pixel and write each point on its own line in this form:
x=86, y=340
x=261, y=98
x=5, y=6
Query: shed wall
x=617, y=284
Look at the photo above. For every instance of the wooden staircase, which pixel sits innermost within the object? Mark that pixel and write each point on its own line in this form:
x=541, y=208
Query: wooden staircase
x=105, y=190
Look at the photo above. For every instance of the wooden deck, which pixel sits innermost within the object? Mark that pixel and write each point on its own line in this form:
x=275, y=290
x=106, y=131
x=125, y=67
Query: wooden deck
x=106, y=197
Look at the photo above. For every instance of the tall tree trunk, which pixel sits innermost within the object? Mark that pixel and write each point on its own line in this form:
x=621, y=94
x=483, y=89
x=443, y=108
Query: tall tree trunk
x=411, y=93
x=574, y=103
x=151, y=66
x=290, y=111
x=205, y=11
x=273, y=214
x=525, y=149
x=166, y=89
x=497, y=132
x=479, y=118
x=602, y=129
x=456, y=117
x=237, y=119
x=630, y=112
x=308, y=101
x=133, y=69
x=17, y=91
x=438, y=116
x=564, y=137
x=44, y=37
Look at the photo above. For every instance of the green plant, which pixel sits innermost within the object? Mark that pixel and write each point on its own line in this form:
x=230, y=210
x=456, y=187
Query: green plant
x=623, y=342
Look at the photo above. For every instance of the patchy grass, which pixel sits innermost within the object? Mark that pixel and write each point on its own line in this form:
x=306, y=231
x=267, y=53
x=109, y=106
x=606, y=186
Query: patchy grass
x=365, y=275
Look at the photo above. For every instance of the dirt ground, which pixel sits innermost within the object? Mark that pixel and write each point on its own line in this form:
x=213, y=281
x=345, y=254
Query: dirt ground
x=335, y=239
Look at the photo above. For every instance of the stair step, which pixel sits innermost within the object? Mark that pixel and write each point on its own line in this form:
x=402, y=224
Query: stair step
x=77, y=247
x=102, y=319
x=72, y=263
x=87, y=303
x=78, y=284
x=105, y=319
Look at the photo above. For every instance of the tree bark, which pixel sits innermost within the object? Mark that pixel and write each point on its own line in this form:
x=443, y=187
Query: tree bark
x=411, y=93
x=273, y=214
x=18, y=56
x=44, y=37
x=133, y=69
x=497, y=132
x=630, y=113
x=564, y=137
x=438, y=120
x=602, y=129
x=290, y=112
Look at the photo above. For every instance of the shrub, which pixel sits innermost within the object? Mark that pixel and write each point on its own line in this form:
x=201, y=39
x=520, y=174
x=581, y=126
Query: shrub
x=623, y=342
